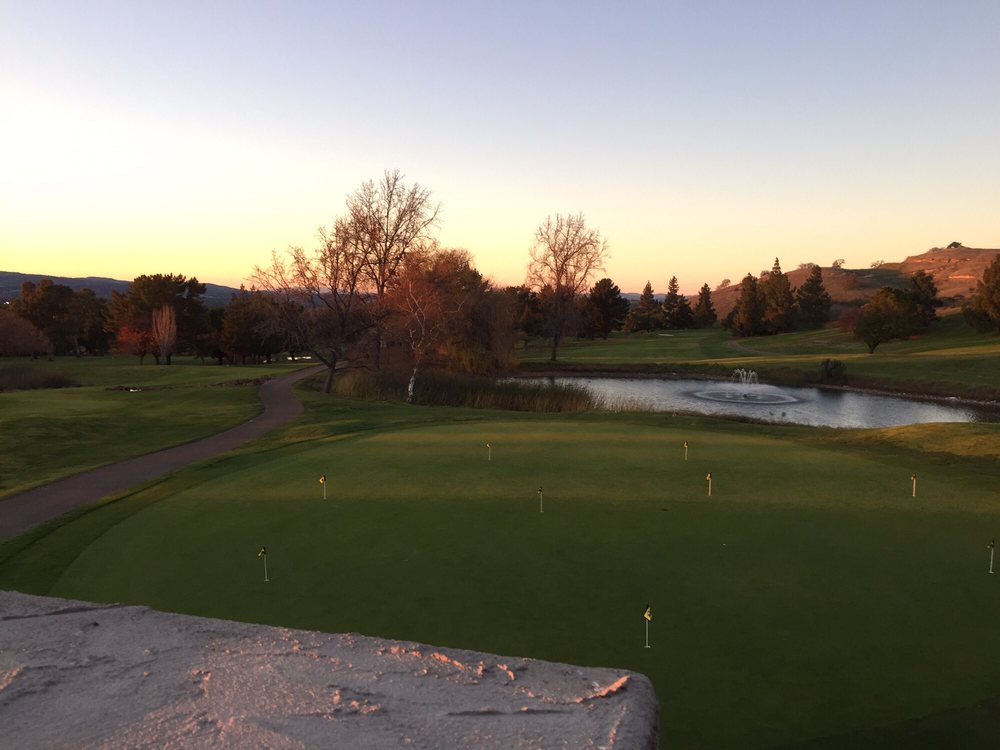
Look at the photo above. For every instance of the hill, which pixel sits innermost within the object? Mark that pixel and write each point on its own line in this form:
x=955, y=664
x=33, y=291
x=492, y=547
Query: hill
x=955, y=271
x=10, y=286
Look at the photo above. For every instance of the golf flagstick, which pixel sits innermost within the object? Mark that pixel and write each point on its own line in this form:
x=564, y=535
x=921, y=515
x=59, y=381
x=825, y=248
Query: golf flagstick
x=648, y=617
x=263, y=553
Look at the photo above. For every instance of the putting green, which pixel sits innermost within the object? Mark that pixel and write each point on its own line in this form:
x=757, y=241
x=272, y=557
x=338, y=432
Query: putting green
x=811, y=596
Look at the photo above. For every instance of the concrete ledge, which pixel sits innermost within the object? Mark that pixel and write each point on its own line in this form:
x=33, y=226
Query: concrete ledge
x=87, y=675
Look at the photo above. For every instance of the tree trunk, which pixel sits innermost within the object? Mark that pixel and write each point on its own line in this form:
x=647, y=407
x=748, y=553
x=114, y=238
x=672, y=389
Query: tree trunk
x=555, y=345
x=409, y=388
x=331, y=365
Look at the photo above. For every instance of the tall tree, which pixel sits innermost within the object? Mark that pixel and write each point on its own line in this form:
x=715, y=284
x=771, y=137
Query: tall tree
x=888, y=315
x=19, y=337
x=565, y=253
x=676, y=310
x=319, y=301
x=91, y=315
x=249, y=328
x=704, y=312
x=922, y=293
x=606, y=307
x=779, y=301
x=645, y=315
x=527, y=311
x=164, y=332
x=813, y=300
x=747, y=317
x=386, y=220
x=147, y=293
x=48, y=307
x=983, y=309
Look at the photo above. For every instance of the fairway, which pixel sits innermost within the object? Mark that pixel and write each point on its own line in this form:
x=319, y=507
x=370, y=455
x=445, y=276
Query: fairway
x=121, y=409
x=810, y=596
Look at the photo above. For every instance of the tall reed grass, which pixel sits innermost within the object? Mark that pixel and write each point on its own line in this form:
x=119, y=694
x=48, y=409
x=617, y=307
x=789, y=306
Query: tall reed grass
x=449, y=389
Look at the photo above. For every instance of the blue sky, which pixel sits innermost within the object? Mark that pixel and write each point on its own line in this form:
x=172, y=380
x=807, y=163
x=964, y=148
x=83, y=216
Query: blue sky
x=702, y=138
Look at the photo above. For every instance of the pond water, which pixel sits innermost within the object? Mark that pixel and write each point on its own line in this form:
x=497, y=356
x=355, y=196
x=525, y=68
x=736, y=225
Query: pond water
x=807, y=406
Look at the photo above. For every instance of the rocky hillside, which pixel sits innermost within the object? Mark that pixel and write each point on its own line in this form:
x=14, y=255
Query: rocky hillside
x=955, y=269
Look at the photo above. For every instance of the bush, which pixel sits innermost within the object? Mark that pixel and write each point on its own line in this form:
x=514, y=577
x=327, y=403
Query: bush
x=25, y=378
x=833, y=371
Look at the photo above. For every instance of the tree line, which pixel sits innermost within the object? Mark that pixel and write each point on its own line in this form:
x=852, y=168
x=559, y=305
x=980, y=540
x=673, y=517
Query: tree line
x=379, y=291
x=770, y=305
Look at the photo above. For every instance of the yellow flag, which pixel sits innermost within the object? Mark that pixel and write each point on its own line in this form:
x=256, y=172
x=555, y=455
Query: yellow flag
x=322, y=479
x=263, y=552
x=648, y=614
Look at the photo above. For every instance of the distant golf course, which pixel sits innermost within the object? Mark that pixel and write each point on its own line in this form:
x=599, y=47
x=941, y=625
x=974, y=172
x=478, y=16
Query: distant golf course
x=811, y=602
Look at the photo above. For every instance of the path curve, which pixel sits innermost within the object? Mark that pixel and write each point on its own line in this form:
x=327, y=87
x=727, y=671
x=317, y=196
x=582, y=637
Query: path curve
x=23, y=511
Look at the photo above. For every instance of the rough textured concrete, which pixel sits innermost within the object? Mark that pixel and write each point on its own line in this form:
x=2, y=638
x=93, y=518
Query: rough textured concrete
x=83, y=675
x=21, y=512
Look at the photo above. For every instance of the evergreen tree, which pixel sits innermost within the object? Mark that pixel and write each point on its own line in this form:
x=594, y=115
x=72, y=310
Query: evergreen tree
x=747, y=317
x=704, y=312
x=983, y=309
x=606, y=308
x=922, y=294
x=779, y=301
x=643, y=316
x=676, y=310
x=813, y=300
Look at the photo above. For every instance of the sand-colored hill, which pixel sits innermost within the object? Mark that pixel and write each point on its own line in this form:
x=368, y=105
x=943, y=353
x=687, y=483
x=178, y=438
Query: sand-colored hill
x=955, y=269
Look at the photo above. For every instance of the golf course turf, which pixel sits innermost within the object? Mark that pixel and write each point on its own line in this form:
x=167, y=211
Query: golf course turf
x=810, y=597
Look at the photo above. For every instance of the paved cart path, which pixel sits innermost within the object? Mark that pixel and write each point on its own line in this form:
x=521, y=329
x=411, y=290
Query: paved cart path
x=23, y=511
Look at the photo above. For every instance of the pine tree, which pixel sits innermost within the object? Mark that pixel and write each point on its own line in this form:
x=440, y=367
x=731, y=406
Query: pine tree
x=813, y=300
x=747, y=317
x=671, y=302
x=922, y=294
x=606, y=307
x=983, y=309
x=779, y=301
x=704, y=312
x=643, y=316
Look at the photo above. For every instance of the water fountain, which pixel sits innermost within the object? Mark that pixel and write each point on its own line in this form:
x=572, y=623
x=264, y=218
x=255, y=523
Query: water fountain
x=745, y=387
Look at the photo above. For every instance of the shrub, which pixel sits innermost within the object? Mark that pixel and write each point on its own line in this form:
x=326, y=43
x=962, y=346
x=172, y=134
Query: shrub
x=26, y=378
x=833, y=371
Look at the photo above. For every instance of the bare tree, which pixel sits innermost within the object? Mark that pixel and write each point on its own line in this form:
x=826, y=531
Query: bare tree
x=564, y=256
x=386, y=220
x=164, y=332
x=320, y=305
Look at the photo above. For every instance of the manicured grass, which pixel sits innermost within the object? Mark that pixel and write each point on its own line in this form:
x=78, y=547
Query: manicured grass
x=811, y=597
x=48, y=434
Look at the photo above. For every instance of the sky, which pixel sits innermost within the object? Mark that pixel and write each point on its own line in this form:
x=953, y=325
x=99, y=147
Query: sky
x=703, y=138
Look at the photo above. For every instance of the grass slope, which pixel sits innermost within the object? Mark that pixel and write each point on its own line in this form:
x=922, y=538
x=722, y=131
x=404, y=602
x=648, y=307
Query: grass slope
x=811, y=597
x=49, y=434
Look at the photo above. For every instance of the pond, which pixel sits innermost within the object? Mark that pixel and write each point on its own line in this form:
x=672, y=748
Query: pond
x=807, y=406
